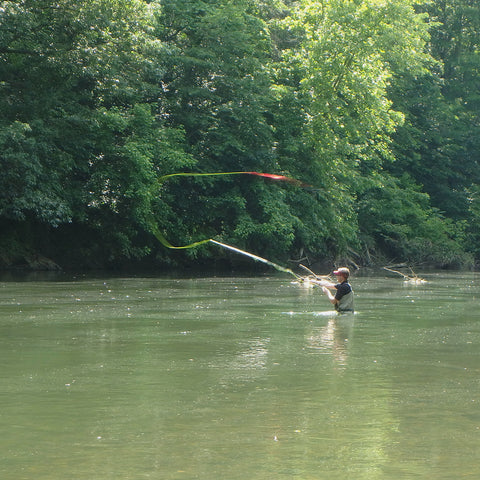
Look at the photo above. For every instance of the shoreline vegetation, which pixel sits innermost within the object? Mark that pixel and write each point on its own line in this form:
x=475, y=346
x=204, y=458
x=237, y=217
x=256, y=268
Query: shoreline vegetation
x=368, y=109
x=39, y=263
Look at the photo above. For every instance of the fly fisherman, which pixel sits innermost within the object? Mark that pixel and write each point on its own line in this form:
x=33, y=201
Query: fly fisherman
x=343, y=298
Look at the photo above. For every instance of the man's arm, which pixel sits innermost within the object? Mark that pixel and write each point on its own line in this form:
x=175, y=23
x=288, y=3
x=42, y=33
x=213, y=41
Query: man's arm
x=329, y=294
x=325, y=283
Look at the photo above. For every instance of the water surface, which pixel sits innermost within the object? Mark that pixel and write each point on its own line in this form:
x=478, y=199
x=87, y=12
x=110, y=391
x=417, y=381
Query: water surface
x=239, y=378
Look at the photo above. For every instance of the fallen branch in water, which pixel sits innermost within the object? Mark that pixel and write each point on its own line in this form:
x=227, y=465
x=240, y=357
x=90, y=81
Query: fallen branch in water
x=313, y=278
x=410, y=279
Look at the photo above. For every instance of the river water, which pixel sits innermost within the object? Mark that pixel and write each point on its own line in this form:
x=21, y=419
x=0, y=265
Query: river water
x=248, y=378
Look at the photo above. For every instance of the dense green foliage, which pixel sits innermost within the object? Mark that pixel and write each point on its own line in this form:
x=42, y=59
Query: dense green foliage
x=374, y=103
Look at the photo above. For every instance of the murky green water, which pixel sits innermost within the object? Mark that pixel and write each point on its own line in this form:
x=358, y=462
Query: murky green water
x=239, y=378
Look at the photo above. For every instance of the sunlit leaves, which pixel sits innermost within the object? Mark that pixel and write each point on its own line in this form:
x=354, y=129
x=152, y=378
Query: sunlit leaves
x=350, y=52
x=100, y=98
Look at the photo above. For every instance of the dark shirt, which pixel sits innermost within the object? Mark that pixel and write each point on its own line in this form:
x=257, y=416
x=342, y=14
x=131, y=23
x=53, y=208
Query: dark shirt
x=344, y=296
x=342, y=289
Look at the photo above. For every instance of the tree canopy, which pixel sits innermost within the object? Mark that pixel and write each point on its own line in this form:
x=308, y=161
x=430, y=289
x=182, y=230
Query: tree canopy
x=372, y=103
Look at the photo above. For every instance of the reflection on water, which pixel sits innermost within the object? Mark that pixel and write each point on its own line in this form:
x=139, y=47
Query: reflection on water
x=215, y=378
x=332, y=338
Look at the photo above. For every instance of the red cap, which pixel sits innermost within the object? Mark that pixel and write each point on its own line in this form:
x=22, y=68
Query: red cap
x=342, y=271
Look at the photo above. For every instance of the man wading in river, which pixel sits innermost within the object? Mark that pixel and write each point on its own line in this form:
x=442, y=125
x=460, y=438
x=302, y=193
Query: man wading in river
x=343, y=298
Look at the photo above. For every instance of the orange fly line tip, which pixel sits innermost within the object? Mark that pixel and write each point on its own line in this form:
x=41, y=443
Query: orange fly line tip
x=161, y=238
